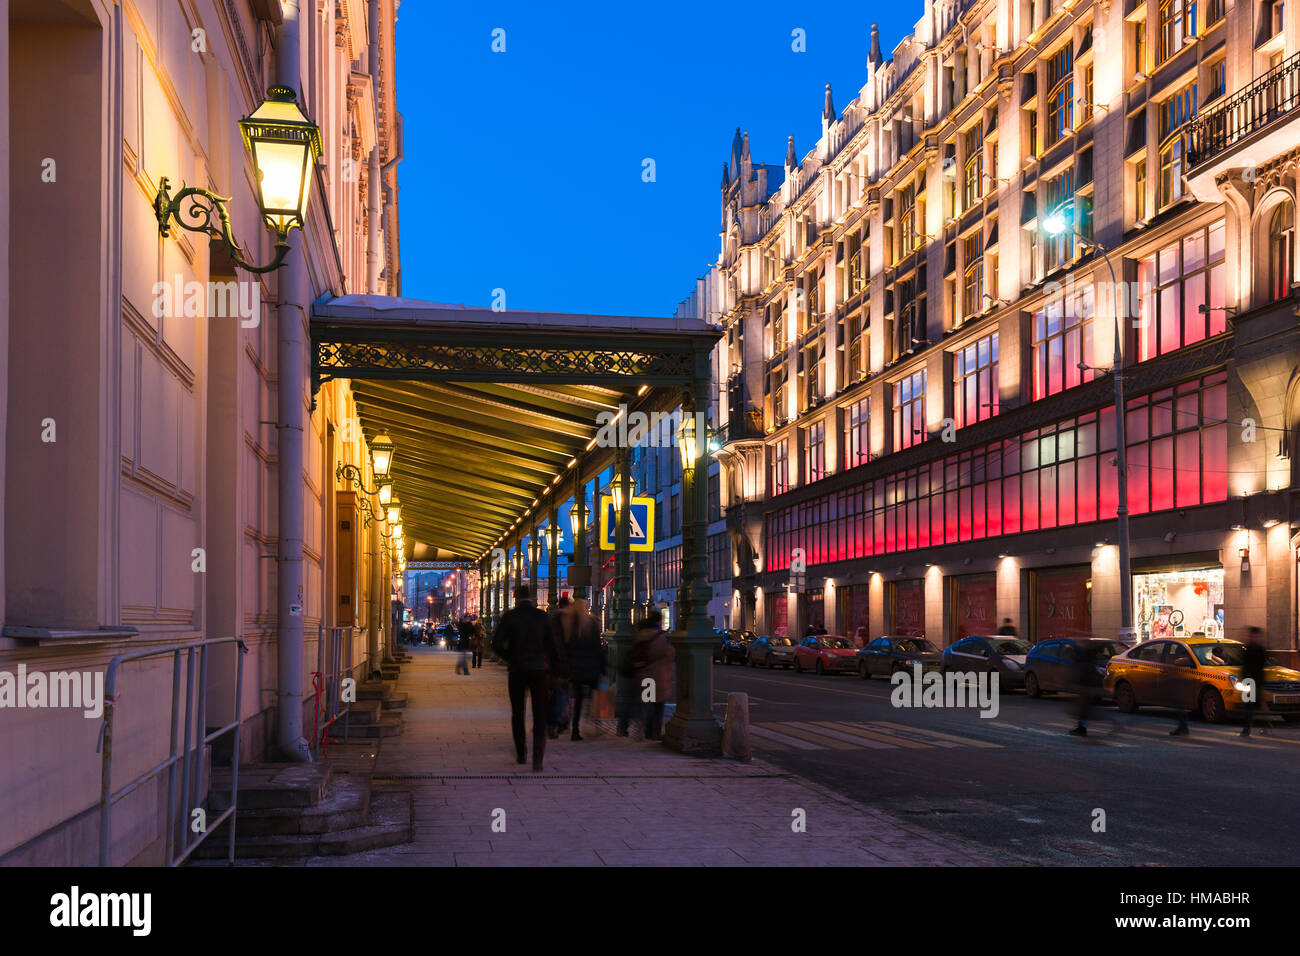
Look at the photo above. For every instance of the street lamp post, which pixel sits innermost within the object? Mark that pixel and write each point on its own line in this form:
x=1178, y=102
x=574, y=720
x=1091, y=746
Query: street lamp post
x=1057, y=222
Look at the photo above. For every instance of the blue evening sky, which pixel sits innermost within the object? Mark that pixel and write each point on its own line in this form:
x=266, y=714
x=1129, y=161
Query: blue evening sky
x=523, y=169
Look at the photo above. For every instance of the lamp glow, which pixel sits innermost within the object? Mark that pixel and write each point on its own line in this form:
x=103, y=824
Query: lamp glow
x=381, y=451
x=283, y=144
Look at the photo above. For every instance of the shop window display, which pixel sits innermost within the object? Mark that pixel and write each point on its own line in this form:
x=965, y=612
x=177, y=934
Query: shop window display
x=1179, y=604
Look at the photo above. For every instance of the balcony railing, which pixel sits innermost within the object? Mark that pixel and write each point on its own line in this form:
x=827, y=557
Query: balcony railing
x=1247, y=111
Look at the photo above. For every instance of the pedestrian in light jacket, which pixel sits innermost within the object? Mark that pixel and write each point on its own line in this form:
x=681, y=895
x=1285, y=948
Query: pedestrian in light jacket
x=652, y=658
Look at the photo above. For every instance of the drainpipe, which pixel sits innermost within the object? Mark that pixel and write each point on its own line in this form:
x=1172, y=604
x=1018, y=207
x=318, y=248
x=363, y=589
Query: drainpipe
x=292, y=372
x=372, y=192
x=372, y=623
x=390, y=195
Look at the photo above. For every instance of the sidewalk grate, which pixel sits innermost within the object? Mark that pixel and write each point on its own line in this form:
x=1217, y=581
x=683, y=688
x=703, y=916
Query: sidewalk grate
x=543, y=777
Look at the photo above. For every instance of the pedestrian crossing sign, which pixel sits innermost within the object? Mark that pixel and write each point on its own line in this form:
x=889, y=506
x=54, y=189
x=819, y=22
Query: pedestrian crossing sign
x=642, y=531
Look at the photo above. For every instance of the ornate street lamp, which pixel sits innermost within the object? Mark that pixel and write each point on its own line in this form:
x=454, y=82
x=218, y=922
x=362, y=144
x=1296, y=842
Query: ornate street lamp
x=385, y=492
x=574, y=519
x=381, y=452
x=393, y=511
x=686, y=442
x=616, y=490
x=284, y=144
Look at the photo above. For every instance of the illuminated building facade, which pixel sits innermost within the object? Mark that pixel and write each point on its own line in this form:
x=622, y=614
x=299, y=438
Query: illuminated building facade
x=920, y=403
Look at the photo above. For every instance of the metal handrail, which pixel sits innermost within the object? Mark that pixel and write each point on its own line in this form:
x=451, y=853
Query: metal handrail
x=107, y=796
x=333, y=664
x=1245, y=112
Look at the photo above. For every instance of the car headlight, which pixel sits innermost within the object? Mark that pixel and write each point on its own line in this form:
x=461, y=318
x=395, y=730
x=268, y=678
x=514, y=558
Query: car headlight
x=1240, y=686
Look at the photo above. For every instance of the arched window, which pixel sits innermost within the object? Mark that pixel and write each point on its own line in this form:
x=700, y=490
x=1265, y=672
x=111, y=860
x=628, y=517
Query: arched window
x=1281, y=248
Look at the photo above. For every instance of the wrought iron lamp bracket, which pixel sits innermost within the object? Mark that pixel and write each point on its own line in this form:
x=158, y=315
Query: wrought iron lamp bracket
x=352, y=473
x=203, y=206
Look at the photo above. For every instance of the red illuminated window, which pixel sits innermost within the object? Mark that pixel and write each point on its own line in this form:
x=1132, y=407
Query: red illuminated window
x=1062, y=341
x=975, y=381
x=1182, y=293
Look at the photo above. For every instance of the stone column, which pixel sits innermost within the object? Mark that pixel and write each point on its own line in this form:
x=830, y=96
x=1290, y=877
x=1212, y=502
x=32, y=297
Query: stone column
x=552, y=559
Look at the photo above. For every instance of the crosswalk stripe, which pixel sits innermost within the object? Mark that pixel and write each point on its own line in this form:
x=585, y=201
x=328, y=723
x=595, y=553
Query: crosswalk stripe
x=758, y=730
x=824, y=741
x=860, y=730
x=829, y=729
x=968, y=741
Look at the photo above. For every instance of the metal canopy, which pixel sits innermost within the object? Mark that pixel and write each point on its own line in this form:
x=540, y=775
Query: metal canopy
x=488, y=409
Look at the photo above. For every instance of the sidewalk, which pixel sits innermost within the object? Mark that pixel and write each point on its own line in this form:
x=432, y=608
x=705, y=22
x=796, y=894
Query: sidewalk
x=604, y=800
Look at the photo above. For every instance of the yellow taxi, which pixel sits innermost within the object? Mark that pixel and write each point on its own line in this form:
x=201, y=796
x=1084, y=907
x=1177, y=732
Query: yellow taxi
x=1202, y=673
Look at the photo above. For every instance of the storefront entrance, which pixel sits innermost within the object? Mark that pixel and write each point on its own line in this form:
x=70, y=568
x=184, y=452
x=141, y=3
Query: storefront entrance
x=1178, y=603
x=851, y=603
x=1062, y=603
x=974, y=605
x=907, y=615
x=776, y=614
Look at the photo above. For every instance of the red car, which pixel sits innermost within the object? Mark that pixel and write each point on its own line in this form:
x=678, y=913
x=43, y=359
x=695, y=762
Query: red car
x=826, y=653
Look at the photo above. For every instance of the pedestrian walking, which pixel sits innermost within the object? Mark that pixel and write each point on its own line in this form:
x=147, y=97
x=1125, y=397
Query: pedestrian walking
x=559, y=688
x=1180, y=685
x=523, y=640
x=476, y=644
x=1087, y=684
x=652, y=656
x=1254, y=659
x=1008, y=629
x=587, y=659
x=465, y=636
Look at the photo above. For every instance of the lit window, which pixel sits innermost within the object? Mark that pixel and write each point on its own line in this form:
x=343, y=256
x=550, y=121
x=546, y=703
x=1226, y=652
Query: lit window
x=814, y=452
x=973, y=275
x=857, y=436
x=1062, y=341
x=909, y=411
x=1060, y=94
x=973, y=178
x=1182, y=293
x=975, y=381
x=1054, y=194
x=1175, y=112
x=1281, y=248
x=780, y=467
x=1177, y=23
x=907, y=238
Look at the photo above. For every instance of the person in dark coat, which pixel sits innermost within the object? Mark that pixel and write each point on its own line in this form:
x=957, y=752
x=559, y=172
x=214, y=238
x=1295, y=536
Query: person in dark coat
x=1007, y=629
x=1087, y=683
x=652, y=657
x=559, y=721
x=524, y=641
x=1254, y=660
x=464, y=641
x=587, y=658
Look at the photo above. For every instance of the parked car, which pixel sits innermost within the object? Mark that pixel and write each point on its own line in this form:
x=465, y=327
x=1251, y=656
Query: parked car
x=896, y=652
x=773, y=651
x=823, y=653
x=1050, y=664
x=990, y=654
x=731, y=645
x=1202, y=672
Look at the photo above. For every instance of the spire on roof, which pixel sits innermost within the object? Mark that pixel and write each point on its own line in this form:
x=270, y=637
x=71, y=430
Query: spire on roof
x=745, y=151
x=726, y=178
x=791, y=160
x=874, y=57
x=736, y=148
x=828, y=111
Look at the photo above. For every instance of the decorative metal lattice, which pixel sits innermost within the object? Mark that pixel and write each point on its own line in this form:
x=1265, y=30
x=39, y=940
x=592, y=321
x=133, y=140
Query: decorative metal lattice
x=426, y=361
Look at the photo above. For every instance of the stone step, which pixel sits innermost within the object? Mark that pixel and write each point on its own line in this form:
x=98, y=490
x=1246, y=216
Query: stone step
x=364, y=711
x=345, y=806
x=272, y=785
x=388, y=823
x=390, y=673
x=388, y=725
